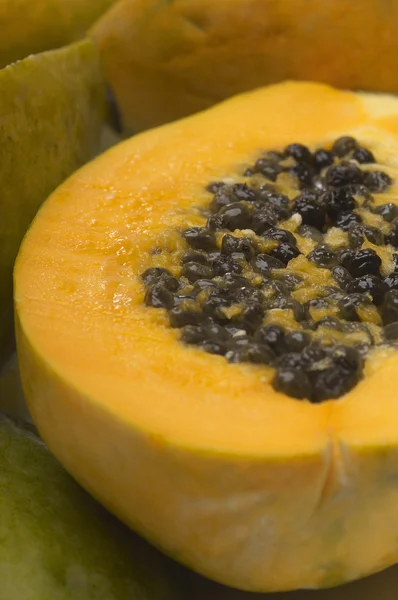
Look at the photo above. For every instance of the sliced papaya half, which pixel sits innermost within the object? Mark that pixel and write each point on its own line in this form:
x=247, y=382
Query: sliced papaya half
x=207, y=324
x=52, y=113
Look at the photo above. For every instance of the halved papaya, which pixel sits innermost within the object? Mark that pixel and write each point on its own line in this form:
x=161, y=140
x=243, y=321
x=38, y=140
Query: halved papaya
x=206, y=326
x=165, y=60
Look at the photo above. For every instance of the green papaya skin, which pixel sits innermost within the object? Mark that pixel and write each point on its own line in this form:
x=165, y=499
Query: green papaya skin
x=57, y=543
x=32, y=26
x=52, y=108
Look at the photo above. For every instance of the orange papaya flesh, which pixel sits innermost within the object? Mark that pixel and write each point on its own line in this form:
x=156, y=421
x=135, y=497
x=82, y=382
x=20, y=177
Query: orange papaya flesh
x=244, y=484
x=165, y=60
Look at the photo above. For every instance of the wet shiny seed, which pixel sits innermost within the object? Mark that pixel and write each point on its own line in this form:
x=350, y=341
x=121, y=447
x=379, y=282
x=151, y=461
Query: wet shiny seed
x=237, y=283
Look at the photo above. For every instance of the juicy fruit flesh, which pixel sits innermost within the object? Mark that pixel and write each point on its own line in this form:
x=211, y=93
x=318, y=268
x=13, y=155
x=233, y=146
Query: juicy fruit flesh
x=258, y=267
x=269, y=493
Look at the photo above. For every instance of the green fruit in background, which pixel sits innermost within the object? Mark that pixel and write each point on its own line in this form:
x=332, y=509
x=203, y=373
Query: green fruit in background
x=32, y=26
x=52, y=108
x=57, y=543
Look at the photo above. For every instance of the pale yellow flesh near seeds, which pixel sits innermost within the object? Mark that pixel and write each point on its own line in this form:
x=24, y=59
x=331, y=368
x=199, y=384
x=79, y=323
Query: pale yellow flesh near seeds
x=245, y=485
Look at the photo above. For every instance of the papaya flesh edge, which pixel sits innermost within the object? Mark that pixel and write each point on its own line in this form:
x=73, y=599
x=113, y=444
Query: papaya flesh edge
x=165, y=60
x=244, y=485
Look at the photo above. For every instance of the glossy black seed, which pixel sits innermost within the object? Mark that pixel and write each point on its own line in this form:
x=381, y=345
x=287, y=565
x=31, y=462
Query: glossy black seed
x=345, y=220
x=179, y=317
x=154, y=274
x=312, y=213
x=388, y=211
x=280, y=235
x=299, y=152
x=213, y=305
x=293, y=382
x=304, y=173
x=263, y=219
x=279, y=202
x=246, y=295
x=225, y=264
x=194, y=256
x=348, y=358
x=200, y=238
x=390, y=307
x=271, y=335
x=328, y=321
x=296, y=341
x=231, y=281
x=368, y=284
x=279, y=287
x=254, y=353
x=344, y=145
x=236, y=216
x=289, y=359
x=395, y=261
x=312, y=356
x=361, y=262
x=333, y=382
x=242, y=192
x=358, y=234
x=284, y=252
x=391, y=331
x=392, y=238
x=214, y=331
x=222, y=198
x=179, y=298
x=203, y=284
x=311, y=233
x=268, y=167
x=193, y=334
x=251, y=316
x=342, y=276
x=214, y=222
x=215, y=347
x=158, y=296
x=264, y=191
x=215, y=186
x=337, y=201
x=350, y=304
x=391, y=281
x=284, y=303
x=237, y=247
x=315, y=304
x=263, y=263
x=323, y=257
x=240, y=341
x=322, y=158
x=363, y=155
x=194, y=271
x=344, y=173
x=377, y=181
x=290, y=280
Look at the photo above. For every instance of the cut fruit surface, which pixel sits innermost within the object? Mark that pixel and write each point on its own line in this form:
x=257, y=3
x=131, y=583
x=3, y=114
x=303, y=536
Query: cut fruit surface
x=52, y=112
x=246, y=484
x=57, y=542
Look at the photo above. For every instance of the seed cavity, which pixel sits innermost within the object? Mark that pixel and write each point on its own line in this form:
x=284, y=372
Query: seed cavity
x=305, y=281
